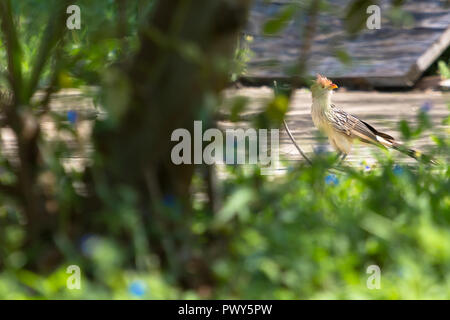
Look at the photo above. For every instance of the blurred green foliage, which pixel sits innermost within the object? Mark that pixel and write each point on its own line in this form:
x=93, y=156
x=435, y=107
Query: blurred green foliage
x=103, y=38
x=309, y=234
x=242, y=56
x=444, y=69
x=277, y=23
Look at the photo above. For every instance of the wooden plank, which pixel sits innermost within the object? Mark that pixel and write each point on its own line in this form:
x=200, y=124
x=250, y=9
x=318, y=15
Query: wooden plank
x=390, y=57
x=383, y=110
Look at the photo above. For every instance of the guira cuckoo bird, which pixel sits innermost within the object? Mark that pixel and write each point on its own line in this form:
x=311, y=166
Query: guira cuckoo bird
x=343, y=128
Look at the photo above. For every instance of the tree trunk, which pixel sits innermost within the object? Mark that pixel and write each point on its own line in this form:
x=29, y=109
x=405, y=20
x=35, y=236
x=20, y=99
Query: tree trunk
x=166, y=85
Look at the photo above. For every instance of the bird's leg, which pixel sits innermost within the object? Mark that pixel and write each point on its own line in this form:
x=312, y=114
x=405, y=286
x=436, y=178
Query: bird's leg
x=341, y=157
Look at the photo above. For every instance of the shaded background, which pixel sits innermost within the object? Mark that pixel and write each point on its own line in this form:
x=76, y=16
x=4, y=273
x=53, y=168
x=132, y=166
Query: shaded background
x=86, y=177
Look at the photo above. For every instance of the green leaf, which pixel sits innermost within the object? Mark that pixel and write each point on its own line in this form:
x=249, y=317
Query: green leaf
x=236, y=203
x=343, y=56
x=356, y=15
x=280, y=21
x=239, y=104
x=444, y=69
x=405, y=129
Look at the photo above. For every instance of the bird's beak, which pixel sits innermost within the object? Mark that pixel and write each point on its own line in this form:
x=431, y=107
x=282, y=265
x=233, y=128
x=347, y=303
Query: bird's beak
x=333, y=86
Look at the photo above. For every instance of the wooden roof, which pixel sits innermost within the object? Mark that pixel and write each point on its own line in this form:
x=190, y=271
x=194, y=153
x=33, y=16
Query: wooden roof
x=393, y=56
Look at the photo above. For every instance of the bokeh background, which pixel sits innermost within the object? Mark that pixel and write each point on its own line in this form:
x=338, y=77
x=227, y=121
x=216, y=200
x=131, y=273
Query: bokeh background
x=86, y=177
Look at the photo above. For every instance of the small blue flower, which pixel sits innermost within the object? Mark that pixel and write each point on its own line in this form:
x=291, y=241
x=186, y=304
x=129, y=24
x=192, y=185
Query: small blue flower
x=321, y=149
x=331, y=179
x=137, y=288
x=169, y=200
x=398, y=170
x=88, y=243
x=72, y=116
x=367, y=168
x=426, y=107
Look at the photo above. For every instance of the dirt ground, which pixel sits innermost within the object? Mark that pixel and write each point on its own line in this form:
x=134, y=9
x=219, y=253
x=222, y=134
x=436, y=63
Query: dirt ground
x=383, y=110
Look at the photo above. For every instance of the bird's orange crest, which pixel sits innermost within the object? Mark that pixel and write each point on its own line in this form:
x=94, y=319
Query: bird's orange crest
x=323, y=81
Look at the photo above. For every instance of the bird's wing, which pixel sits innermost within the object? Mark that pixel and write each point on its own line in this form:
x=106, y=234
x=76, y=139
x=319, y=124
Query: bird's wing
x=354, y=127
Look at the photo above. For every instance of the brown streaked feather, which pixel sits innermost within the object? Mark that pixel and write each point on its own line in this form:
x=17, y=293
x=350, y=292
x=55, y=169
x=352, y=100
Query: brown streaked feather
x=355, y=128
x=352, y=126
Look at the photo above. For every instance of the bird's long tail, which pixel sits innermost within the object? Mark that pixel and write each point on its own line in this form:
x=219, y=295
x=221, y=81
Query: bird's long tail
x=388, y=141
x=408, y=151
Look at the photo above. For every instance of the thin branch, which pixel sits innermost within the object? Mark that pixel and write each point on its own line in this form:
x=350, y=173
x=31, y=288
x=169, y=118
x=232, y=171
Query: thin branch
x=307, y=41
x=295, y=143
x=54, y=32
x=57, y=65
x=13, y=49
